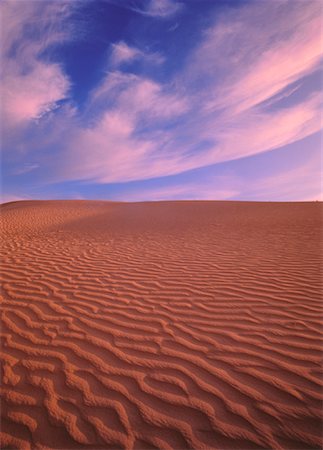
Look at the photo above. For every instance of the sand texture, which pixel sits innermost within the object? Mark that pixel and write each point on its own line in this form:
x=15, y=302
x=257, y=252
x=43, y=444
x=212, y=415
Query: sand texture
x=168, y=325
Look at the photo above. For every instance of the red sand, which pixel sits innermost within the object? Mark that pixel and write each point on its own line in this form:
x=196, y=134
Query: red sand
x=165, y=325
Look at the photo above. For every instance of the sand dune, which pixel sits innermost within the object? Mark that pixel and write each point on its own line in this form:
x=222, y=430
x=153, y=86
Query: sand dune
x=164, y=325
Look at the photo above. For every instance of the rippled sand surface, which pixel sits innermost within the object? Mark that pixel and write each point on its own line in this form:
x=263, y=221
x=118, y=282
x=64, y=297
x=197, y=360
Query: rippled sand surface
x=168, y=325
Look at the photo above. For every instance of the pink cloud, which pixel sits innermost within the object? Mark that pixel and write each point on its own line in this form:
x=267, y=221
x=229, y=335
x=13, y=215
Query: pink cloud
x=255, y=131
x=139, y=98
x=158, y=9
x=123, y=53
x=106, y=151
x=117, y=154
x=302, y=183
x=27, y=96
x=217, y=188
x=241, y=128
x=47, y=18
x=162, y=8
x=29, y=87
x=150, y=98
x=259, y=49
x=275, y=69
x=152, y=129
x=6, y=198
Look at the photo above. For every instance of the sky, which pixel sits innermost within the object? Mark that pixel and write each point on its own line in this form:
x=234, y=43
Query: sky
x=137, y=100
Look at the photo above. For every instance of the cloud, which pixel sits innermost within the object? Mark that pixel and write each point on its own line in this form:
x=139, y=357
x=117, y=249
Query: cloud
x=277, y=69
x=241, y=91
x=121, y=53
x=270, y=65
x=6, y=198
x=159, y=9
x=180, y=192
x=104, y=151
x=208, y=187
x=127, y=144
x=28, y=27
x=144, y=99
x=138, y=98
x=256, y=131
x=162, y=8
x=27, y=96
x=300, y=183
x=30, y=87
x=198, y=119
x=124, y=54
x=25, y=168
x=118, y=150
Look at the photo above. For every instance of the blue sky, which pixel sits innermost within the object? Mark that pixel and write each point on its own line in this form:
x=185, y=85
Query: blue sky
x=139, y=100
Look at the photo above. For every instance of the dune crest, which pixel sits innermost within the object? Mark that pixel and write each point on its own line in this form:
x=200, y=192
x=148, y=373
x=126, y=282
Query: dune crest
x=164, y=325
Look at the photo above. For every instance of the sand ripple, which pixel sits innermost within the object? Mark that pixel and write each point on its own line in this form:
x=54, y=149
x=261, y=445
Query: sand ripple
x=169, y=325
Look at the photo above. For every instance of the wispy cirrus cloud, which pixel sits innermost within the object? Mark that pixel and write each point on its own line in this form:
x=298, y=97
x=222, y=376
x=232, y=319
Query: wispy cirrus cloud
x=120, y=138
x=163, y=8
x=253, y=50
x=301, y=181
x=28, y=95
x=25, y=168
x=220, y=188
x=241, y=91
x=30, y=87
x=125, y=54
x=120, y=152
x=158, y=9
x=212, y=119
x=6, y=198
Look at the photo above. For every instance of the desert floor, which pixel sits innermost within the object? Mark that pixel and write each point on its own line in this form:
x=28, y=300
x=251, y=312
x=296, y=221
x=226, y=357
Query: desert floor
x=168, y=325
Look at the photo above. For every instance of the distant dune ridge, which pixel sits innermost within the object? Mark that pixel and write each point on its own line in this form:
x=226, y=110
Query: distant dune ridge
x=166, y=325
